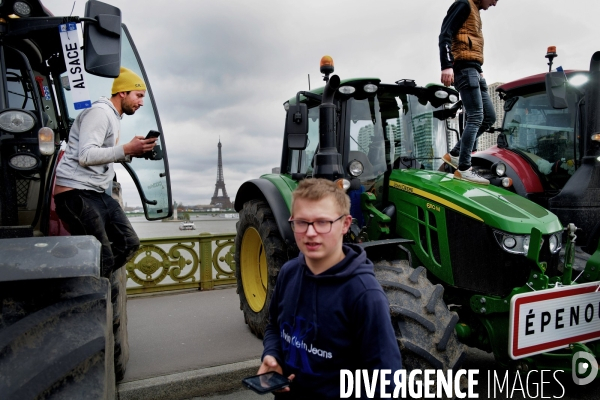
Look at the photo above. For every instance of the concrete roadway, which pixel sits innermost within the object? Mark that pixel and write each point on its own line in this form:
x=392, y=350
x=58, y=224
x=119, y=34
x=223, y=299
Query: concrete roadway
x=187, y=331
x=195, y=343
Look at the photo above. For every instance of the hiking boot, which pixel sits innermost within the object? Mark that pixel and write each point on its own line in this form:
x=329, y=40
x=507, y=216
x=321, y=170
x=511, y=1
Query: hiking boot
x=450, y=160
x=470, y=176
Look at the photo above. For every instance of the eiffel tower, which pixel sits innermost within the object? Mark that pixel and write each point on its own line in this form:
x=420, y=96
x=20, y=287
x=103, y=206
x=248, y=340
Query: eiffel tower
x=222, y=201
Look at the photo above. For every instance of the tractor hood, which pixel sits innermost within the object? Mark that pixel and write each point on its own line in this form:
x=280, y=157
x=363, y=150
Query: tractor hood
x=494, y=206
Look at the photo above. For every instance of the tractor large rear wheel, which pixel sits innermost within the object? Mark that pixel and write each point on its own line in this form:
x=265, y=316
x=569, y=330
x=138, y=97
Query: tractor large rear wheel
x=56, y=339
x=259, y=254
x=423, y=324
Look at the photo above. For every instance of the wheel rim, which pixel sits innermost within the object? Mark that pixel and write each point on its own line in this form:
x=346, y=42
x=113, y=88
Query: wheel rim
x=253, y=269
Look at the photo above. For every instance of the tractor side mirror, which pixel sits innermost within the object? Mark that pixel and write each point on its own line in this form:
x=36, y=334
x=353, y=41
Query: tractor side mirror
x=296, y=126
x=102, y=40
x=556, y=89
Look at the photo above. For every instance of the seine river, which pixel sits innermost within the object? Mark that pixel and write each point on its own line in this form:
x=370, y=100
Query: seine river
x=204, y=223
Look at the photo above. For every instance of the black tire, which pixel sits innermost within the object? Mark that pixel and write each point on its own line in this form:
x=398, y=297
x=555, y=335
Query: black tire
x=119, y=302
x=56, y=339
x=259, y=254
x=423, y=324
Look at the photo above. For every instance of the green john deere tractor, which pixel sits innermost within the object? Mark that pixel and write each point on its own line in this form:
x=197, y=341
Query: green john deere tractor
x=435, y=241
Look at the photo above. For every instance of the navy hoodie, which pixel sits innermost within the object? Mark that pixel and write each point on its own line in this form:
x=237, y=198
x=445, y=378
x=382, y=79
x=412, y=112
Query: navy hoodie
x=320, y=324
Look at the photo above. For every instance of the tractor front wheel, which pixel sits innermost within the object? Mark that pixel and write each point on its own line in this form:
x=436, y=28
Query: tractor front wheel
x=423, y=324
x=259, y=254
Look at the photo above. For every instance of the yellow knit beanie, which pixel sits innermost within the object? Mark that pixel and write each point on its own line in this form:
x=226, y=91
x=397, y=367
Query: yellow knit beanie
x=127, y=81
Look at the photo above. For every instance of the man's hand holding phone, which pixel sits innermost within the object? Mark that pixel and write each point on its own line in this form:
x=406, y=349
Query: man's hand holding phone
x=140, y=146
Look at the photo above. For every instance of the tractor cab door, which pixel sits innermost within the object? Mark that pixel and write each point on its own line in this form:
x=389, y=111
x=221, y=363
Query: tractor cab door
x=151, y=176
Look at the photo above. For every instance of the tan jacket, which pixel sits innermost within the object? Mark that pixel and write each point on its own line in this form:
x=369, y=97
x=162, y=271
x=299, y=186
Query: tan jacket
x=467, y=44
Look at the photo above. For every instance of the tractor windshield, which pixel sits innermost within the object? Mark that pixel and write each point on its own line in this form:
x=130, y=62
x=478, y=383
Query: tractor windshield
x=542, y=134
x=409, y=130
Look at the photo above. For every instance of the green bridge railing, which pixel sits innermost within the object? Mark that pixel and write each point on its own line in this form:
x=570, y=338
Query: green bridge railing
x=182, y=262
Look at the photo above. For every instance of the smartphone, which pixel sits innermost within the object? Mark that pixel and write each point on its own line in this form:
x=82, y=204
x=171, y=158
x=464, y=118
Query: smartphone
x=267, y=382
x=152, y=134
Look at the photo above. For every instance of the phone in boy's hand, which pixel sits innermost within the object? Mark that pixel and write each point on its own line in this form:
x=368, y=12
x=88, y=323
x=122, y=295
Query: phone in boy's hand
x=267, y=382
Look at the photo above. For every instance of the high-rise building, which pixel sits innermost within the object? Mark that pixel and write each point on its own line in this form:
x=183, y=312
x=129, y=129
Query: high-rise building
x=365, y=136
x=488, y=140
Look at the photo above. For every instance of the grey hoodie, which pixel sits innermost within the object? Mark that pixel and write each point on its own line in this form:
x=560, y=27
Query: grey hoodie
x=92, y=148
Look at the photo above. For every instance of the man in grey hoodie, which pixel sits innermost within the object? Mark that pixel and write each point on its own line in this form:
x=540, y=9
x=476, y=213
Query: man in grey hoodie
x=86, y=170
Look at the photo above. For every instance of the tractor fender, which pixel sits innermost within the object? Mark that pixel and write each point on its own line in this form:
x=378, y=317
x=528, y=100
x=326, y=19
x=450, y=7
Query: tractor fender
x=489, y=159
x=265, y=190
x=388, y=250
x=49, y=257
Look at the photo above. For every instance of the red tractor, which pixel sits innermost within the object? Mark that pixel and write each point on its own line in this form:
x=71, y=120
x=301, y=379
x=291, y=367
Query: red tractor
x=549, y=146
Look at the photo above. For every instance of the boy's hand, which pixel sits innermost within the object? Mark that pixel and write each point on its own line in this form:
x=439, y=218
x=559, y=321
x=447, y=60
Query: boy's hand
x=448, y=77
x=270, y=364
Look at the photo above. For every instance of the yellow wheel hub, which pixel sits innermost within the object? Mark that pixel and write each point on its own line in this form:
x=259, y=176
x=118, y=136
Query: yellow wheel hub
x=253, y=269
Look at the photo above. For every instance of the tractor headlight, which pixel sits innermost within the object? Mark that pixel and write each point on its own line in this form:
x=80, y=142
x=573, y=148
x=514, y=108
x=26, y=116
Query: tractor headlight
x=23, y=161
x=453, y=98
x=555, y=242
x=286, y=106
x=578, y=80
x=507, y=182
x=356, y=168
x=500, y=169
x=370, y=88
x=441, y=94
x=347, y=89
x=16, y=121
x=21, y=8
x=511, y=243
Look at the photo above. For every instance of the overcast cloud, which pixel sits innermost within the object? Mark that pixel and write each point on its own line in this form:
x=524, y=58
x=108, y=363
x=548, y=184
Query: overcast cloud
x=223, y=68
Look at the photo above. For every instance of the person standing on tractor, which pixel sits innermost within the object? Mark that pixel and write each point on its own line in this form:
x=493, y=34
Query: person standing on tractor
x=86, y=170
x=461, y=57
x=328, y=311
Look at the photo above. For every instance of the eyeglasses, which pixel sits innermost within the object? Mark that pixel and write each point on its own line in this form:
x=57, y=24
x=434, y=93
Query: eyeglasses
x=301, y=226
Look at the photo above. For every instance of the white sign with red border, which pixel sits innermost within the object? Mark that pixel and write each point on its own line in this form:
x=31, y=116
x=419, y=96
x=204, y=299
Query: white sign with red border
x=551, y=319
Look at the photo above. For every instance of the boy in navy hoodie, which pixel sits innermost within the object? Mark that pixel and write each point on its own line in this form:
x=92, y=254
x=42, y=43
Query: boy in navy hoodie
x=328, y=312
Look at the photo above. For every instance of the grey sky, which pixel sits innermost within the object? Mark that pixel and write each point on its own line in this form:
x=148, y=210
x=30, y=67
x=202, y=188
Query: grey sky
x=223, y=68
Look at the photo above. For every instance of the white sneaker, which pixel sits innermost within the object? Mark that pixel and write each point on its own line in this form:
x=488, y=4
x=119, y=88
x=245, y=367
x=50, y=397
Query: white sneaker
x=450, y=160
x=470, y=176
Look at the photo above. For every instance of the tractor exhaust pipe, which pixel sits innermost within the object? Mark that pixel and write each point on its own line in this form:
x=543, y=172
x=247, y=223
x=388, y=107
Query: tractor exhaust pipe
x=328, y=161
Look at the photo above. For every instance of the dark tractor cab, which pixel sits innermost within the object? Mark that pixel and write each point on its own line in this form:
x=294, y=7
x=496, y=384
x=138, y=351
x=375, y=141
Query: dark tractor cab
x=548, y=147
x=38, y=105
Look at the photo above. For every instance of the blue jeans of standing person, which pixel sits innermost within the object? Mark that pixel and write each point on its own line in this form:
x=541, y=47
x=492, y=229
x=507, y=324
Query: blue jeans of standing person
x=479, y=110
x=91, y=213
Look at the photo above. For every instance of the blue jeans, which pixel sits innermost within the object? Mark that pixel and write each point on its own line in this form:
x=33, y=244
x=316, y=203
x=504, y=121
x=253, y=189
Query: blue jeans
x=91, y=213
x=479, y=110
